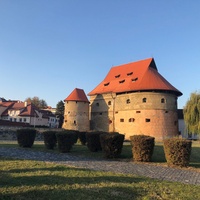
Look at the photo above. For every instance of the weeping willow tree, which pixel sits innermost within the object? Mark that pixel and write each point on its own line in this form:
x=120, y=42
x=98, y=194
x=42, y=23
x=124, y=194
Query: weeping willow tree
x=191, y=113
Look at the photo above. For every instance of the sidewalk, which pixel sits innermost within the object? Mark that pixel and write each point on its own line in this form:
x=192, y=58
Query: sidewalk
x=150, y=170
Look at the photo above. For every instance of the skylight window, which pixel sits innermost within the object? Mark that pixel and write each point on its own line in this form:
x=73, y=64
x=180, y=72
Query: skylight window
x=106, y=84
x=134, y=79
x=122, y=81
x=117, y=76
x=129, y=74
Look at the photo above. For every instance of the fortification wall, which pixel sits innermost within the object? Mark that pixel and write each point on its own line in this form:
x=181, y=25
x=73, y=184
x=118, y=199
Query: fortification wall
x=76, y=116
x=148, y=113
x=9, y=132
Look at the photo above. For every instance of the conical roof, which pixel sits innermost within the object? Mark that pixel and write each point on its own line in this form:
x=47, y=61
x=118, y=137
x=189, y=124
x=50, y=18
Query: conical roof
x=77, y=95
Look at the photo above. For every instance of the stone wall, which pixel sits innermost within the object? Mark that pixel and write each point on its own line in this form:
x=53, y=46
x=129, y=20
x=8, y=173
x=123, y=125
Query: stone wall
x=76, y=116
x=148, y=113
x=9, y=133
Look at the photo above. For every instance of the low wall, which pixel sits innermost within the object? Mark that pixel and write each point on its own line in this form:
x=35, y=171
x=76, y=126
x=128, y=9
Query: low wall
x=9, y=133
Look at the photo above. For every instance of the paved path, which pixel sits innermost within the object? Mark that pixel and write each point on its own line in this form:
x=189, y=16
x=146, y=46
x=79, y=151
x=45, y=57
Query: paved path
x=147, y=170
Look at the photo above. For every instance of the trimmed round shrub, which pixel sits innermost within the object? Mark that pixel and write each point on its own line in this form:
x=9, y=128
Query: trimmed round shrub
x=50, y=139
x=177, y=151
x=82, y=137
x=76, y=133
x=142, y=147
x=112, y=144
x=26, y=137
x=65, y=140
x=93, y=141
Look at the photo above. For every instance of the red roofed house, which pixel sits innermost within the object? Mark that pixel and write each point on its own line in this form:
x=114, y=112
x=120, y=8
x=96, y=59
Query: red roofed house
x=27, y=113
x=76, y=115
x=135, y=99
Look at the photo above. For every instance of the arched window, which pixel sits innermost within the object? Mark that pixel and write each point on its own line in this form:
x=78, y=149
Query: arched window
x=162, y=100
x=144, y=100
x=109, y=103
x=128, y=101
x=131, y=120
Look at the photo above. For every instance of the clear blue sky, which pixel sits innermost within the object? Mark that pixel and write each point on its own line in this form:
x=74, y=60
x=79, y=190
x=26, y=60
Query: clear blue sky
x=50, y=47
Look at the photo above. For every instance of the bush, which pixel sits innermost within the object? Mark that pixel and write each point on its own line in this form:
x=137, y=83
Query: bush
x=65, y=141
x=26, y=137
x=142, y=147
x=112, y=144
x=50, y=139
x=177, y=151
x=93, y=141
x=75, y=135
x=82, y=137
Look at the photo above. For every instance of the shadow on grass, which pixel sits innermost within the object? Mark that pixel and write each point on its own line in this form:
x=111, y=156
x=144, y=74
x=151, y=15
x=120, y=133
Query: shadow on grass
x=59, y=182
x=88, y=193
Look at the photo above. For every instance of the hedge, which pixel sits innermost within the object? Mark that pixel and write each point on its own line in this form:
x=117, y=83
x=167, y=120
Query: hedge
x=26, y=137
x=82, y=137
x=50, y=139
x=112, y=144
x=177, y=151
x=142, y=147
x=93, y=141
x=65, y=140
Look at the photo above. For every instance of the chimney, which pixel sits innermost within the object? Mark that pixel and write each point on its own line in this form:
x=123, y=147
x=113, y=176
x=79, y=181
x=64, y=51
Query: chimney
x=25, y=104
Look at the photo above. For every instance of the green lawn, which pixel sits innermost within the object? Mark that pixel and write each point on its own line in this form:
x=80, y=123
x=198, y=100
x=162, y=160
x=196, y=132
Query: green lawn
x=23, y=179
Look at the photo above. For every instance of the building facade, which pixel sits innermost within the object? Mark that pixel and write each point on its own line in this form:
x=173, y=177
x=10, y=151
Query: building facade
x=135, y=99
x=27, y=114
x=76, y=115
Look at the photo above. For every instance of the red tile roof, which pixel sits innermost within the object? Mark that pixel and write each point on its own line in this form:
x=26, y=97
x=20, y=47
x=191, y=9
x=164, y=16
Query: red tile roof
x=136, y=76
x=77, y=95
x=29, y=110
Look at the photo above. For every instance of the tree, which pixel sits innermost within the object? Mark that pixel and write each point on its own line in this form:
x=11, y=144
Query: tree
x=60, y=108
x=191, y=113
x=39, y=103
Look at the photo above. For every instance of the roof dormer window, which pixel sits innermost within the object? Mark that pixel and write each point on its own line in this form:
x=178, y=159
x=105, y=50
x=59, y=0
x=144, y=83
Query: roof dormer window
x=106, y=84
x=117, y=76
x=122, y=81
x=129, y=74
x=134, y=79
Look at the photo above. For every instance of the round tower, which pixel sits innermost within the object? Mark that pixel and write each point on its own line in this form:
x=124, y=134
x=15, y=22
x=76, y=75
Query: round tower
x=76, y=115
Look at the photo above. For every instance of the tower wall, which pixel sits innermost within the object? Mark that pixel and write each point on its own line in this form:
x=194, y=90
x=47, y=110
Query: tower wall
x=76, y=116
x=148, y=113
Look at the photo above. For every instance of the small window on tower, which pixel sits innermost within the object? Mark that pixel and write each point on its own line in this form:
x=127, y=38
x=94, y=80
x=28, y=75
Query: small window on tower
x=162, y=100
x=128, y=101
x=74, y=122
x=147, y=120
x=121, y=120
x=97, y=104
x=144, y=100
x=131, y=120
x=109, y=103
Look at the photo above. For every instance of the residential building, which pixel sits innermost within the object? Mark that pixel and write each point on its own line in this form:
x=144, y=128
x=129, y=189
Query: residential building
x=26, y=113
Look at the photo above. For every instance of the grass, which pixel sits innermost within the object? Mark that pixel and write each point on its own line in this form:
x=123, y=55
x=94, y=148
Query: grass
x=25, y=179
